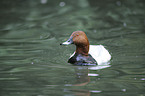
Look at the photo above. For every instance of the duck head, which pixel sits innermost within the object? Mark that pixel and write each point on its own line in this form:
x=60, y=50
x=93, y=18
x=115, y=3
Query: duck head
x=80, y=39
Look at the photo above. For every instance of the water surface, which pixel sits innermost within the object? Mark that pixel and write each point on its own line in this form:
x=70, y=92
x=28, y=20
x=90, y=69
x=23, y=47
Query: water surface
x=34, y=64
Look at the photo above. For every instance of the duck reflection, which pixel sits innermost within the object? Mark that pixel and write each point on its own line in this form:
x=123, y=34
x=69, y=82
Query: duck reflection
x=83, y=75
x=83, y=78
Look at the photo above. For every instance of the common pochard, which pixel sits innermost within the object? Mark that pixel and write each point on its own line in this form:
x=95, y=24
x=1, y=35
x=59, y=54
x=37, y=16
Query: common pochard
x=86, y=54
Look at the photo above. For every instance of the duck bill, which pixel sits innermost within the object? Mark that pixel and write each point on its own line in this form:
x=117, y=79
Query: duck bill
x=68, y=42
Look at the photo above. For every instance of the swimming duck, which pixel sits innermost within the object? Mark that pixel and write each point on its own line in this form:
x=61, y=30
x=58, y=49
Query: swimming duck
x=86, y=54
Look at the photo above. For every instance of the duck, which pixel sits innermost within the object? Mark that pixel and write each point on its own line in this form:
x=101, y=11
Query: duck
x=86, y=54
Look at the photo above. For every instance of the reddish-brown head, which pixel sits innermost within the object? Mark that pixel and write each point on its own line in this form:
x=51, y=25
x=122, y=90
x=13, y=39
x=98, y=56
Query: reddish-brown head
x=80, y=39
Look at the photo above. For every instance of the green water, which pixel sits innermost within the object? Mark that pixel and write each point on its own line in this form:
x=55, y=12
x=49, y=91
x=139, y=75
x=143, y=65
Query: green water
x=34, y=64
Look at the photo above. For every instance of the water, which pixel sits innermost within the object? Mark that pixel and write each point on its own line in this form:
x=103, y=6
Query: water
x=34, y=64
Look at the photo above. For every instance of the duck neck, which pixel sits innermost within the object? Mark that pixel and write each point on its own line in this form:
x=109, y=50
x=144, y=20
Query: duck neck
x=83, y=50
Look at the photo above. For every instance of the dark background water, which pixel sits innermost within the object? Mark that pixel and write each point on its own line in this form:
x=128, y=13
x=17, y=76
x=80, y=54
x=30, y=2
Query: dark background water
x=32, y=63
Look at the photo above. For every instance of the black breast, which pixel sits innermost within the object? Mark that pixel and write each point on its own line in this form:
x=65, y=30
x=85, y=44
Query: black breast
x=79, y=59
